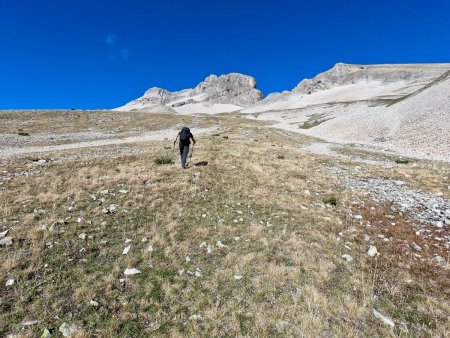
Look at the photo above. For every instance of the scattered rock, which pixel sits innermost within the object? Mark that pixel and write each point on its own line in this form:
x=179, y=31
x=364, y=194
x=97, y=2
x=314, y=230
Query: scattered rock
x=196, y=317
x=439, y=259
x=4, y=233
x=150, y=248
x=372, y=252
x=347, y=257
x=110, y=210
x=126, y=250
x=132, y=271
x=384, y=319
x=6, y=241
x=10, y=282
x=220, y=245
x=30, y=323
x=46, y=333
x=67, y=329
x=123, y=191
x=416, y=247
x=94, y=303
x=82, y=236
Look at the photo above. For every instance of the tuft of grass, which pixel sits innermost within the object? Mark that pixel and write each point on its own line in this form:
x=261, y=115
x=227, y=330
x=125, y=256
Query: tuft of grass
x=331, y=200
x=402, y=160
x=163, y=159
x=280, y=156
x=314, y=121
x=23, y=133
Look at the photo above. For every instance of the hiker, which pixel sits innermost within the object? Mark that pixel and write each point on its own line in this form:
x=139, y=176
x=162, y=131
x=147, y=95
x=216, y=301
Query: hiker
x=185, y=136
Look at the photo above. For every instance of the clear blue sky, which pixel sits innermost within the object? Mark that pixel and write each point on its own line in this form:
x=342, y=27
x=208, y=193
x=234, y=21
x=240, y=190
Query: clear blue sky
x=101, y=54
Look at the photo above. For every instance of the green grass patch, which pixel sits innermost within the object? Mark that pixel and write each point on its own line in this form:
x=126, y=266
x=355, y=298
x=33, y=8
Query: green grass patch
x=163, y=159
x=331, y=200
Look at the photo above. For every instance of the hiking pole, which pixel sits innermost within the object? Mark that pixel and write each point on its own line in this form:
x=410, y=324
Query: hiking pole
x=190, y=157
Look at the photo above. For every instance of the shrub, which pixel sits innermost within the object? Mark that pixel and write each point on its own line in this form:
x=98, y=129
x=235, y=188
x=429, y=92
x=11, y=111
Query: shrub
x=402, y=161
x=23, y=133
x=163, y=159
x=332, y=200
x=280, y=157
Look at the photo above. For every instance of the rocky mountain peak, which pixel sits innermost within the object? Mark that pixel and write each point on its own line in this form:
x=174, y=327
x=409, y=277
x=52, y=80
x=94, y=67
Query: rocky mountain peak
x=232, y=88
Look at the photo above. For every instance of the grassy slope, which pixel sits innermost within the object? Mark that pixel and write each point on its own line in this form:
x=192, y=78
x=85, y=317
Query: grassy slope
x=280, y=240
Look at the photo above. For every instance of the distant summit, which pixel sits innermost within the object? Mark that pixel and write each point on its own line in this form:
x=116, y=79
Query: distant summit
x=219, y=94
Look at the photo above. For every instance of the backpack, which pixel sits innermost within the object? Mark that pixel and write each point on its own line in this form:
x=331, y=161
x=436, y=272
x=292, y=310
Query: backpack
x=185, y=133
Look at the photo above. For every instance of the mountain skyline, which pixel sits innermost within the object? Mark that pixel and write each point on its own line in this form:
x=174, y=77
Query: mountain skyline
x=83, y=55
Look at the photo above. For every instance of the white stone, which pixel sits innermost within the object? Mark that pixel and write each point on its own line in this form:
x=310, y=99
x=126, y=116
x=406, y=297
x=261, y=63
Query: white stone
x=10, y=282
x=4, y=233
x=67, y=329
x=372, y=252
x=150, y=248
x=94, y=303
x=132, y=271
x=30, y=323
x=7, y=241
x=82, y=236
x=347, y=257
x=384, y=319
x=439, y=259
x=238, y=277
x=126, y=250
x=220, y=244
x=416, y=247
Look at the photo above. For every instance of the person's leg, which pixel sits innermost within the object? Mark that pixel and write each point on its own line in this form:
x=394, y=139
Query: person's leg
x=184, y=156
x=181, y=146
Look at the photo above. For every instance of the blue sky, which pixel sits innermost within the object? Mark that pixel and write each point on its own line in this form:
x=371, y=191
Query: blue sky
x=101, y=54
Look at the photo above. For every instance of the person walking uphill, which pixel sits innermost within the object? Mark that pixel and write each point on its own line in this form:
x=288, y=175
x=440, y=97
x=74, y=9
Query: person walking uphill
x=185, y=136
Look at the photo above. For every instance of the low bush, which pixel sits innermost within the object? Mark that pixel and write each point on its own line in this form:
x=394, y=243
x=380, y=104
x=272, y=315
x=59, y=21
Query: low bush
x=163, y=159
x=332, y=200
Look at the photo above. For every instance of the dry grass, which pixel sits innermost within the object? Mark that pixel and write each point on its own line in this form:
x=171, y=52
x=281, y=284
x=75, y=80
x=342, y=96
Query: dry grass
x=279, y=239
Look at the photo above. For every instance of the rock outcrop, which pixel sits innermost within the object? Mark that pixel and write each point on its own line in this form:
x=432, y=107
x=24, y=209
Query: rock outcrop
x=234, y=90
x=346, y=74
